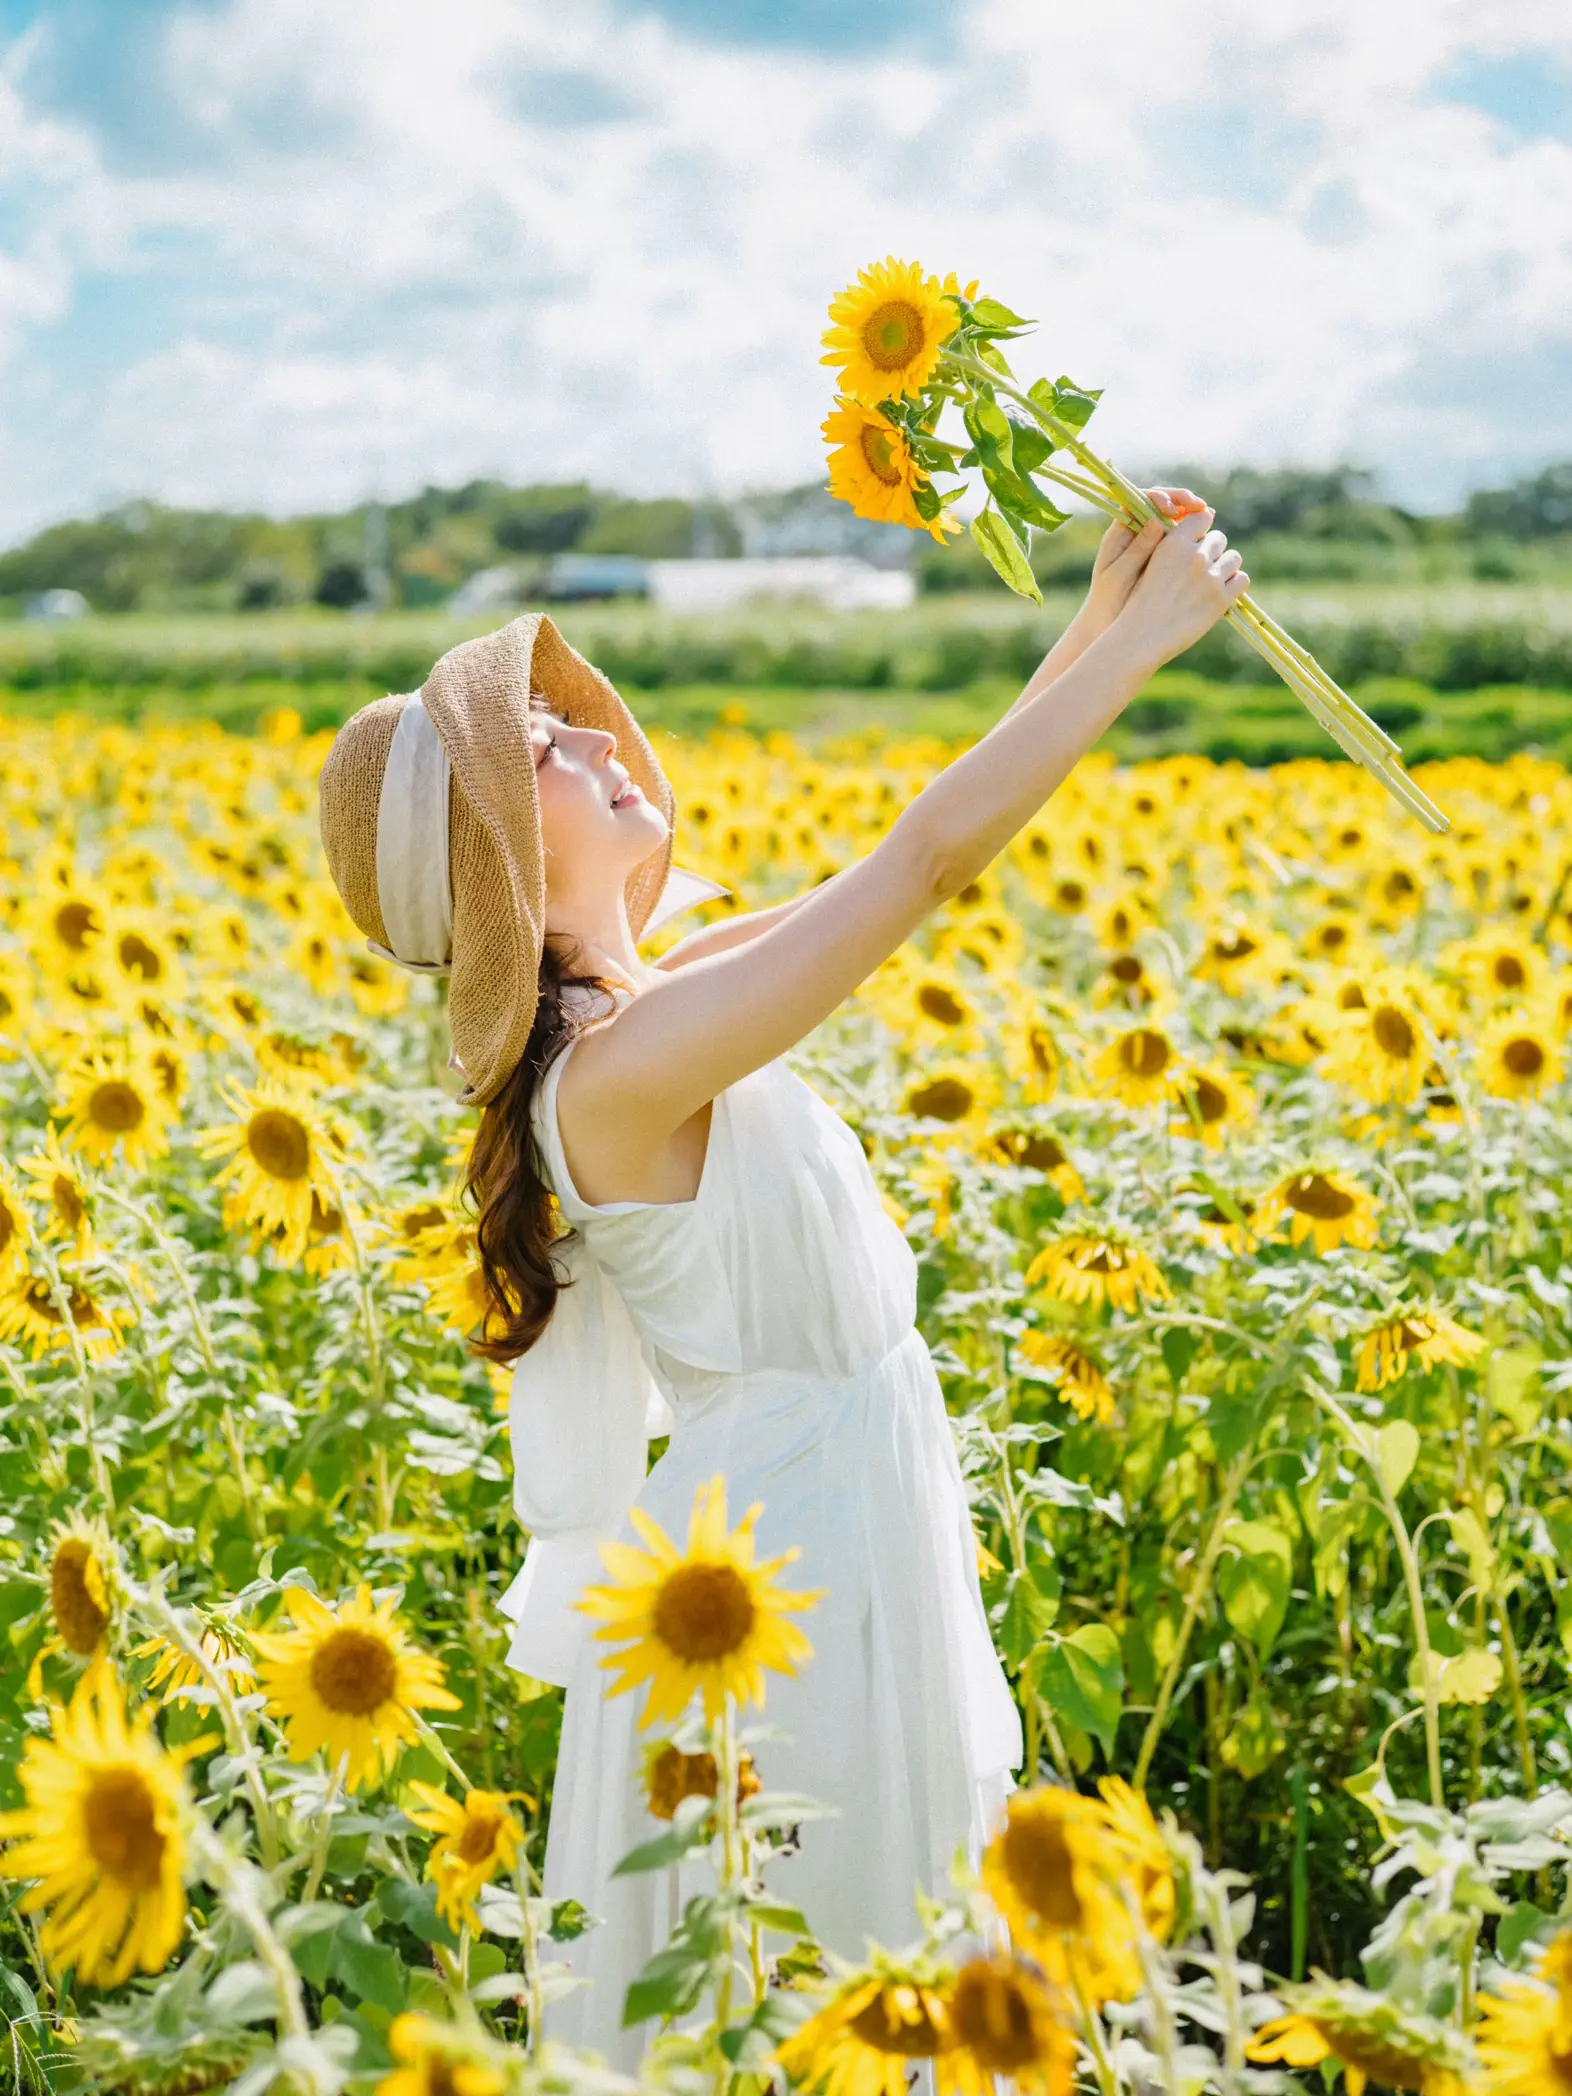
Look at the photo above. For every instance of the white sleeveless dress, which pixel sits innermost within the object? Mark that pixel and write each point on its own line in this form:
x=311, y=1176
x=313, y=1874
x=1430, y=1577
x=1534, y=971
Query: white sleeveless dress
x=768, y=1325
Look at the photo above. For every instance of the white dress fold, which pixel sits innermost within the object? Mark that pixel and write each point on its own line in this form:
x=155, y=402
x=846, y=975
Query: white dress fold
x=768, y=1324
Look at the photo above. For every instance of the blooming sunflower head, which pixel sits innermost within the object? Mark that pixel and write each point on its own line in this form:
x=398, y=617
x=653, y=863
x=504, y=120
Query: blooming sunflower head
x=84, y=1585
x=348, y=1682
x=1083, y=1383
x=112, y=1103
x=887, y=331
x=1524, y=2034
x=1138, y=1066
x=1006, y=2023
x=1429, y=1336
x=877, y=2021
x=1056, y=1871
x=707, y=1618
x=1325, y=1207
x=477, y=1836
x=443, y=2059
x=1370, y=2036
x=1519, y=1054
x=1083, y=1268
x=872, y=466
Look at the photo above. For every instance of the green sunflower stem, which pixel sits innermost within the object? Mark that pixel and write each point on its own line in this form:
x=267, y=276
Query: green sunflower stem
x=730, y=1873
x=242, y=1887
x=324, y=1840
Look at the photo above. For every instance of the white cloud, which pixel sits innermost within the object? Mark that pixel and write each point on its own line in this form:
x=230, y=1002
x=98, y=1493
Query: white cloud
x=392, y=249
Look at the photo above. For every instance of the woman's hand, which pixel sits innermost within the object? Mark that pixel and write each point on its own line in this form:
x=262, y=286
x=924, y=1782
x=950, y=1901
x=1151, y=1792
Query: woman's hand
x=1123, y=555
x=1186, y=585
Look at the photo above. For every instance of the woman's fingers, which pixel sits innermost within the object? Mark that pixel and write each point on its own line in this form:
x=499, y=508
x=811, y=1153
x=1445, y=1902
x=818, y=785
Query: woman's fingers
x=1229, y=564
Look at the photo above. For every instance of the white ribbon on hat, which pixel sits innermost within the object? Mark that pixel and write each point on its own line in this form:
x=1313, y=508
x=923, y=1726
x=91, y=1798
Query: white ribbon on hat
x=413, y=878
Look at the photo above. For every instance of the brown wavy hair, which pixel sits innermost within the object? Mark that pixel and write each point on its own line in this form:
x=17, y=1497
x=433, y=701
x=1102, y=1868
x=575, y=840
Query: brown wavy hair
x=518, y=1226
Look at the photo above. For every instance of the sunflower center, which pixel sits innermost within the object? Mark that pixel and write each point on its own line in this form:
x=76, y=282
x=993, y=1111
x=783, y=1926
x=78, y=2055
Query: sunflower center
x=893, y=334
x=8, y=1224
x=77, y=1596
x=907, y=2029
x=703, y=1612
x=1367, y=2055
x=354, y=1671
x=414, y=1220
x=945, y=1099
x=1394, y=1034
x=1316, y=1196
x=120, y=1819
x=993, y=2019
x=935, y=1002
x=1509, y=972
x=138, y=958
x=1038, y=1863
x=117, y=1106
x=1144, y=1053
x=478, y=1842
x=878, y=451
x=69, y=1205
x=1239, y=948
x=279, y=1144
x=1127, y=969
x=75, y=924
x=1351, y=998
x=1039, y=1153
x=1524, y=1058
x=1210, y=1101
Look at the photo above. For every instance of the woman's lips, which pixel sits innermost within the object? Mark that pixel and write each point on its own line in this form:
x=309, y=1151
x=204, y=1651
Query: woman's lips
x=627, y=793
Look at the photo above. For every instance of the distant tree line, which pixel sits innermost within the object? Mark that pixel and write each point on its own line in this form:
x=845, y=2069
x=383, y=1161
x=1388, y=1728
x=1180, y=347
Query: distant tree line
x=142, y=556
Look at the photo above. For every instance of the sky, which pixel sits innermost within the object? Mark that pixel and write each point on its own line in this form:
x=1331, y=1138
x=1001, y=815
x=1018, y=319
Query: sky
x=285, y=254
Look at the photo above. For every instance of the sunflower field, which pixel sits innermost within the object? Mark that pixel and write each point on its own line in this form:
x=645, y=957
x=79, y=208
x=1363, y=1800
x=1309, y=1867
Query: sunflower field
x=1227, y=1118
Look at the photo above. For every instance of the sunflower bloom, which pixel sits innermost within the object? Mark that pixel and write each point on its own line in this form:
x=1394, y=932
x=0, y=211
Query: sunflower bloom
x=871, y=466
x=1097, y=1270
x=280, y=1153
x=1524, y=2033
x=887, y=331
x=1212, y=1104
x=101, y=1832
x=708, y=1618
x=111, y=1101
x=442, y=2059
x=1518, y=1055
x=477, y=1836
x=174, y=1673
x=1380, y=1049
x=1084, y=1385
x=877, y=2021
x=1325, y=1207
x=30, y=1310
x=1138, y=1067
x=1005, y=2022
x=1369, y=2037
x=1034, y=1150
x=58, y=1186
x=670, y=1776
x=1428, y=1334
x=81, y=1586
x=348, y=1682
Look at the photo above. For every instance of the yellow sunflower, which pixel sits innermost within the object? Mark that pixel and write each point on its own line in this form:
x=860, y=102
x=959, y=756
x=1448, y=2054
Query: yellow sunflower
x=477, y=1837
x=1519, y=1055
x=1524, y=2034
x=1369, y=2037
x=1004, y=2022
x=83, y=1583
x=1084, y=1385
x=887, y=331
x=1230, y=1227
x=58, y=1185
x=30, y=1309
x=871, y=466
x=1035, y=1150
x=877, y=2021
x=16, y=1225
x=708, y=1618
x=670, y=1776
x=281, y=1152
x=101, y=1832
x=1138, y=1067
x=1428, y=1334
x=1097, y=1269
x=1323, y=1206
x=954, y=1092
x=443, y=2059
x=348, y=1682
x=175, y=1674
x=1380, y=1049
x=1213, y=1103
x=111, y=1100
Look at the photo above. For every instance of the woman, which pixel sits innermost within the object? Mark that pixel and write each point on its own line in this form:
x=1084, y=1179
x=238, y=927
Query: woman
x=731, y=1274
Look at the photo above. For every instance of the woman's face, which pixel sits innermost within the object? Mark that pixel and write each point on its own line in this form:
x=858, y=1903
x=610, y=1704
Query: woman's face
x=596, y=825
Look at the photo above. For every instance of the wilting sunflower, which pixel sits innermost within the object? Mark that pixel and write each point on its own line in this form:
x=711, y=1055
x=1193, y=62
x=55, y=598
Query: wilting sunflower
x=1083, y=1383
x=1004, y=2022
x=1519, y=1054
x=175, y=1674
x=708, y=1618
x=1096, y=1270
x=477, y=1837
x=887, y=331
x=1428, y=1334
x=61, y=1190
x=1212, y=1103
x=111, y=1100
x=83, y=1584
x=1323, y=1206
x=281, y=1152
x=348, y=1682
x=1069, y=1873
x=670, y=1776
x=1369, y=2036
x=443, y=2059
x=871, y=466
x=102, y=1833
x=1139, y=1066
x=1524, y=2033
x=878, y=2020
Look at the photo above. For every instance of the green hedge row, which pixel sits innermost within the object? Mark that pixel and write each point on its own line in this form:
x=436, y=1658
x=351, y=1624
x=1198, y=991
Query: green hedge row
x=1452, y=640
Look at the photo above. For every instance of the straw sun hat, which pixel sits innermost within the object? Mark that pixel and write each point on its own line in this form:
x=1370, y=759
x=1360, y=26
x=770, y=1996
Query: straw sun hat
x=431, y=826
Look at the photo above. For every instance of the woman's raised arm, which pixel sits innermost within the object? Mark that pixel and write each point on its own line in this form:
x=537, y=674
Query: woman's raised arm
x=637, y=1077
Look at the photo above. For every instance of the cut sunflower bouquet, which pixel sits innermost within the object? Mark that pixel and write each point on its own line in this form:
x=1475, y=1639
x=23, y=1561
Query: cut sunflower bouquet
x=908, y=348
